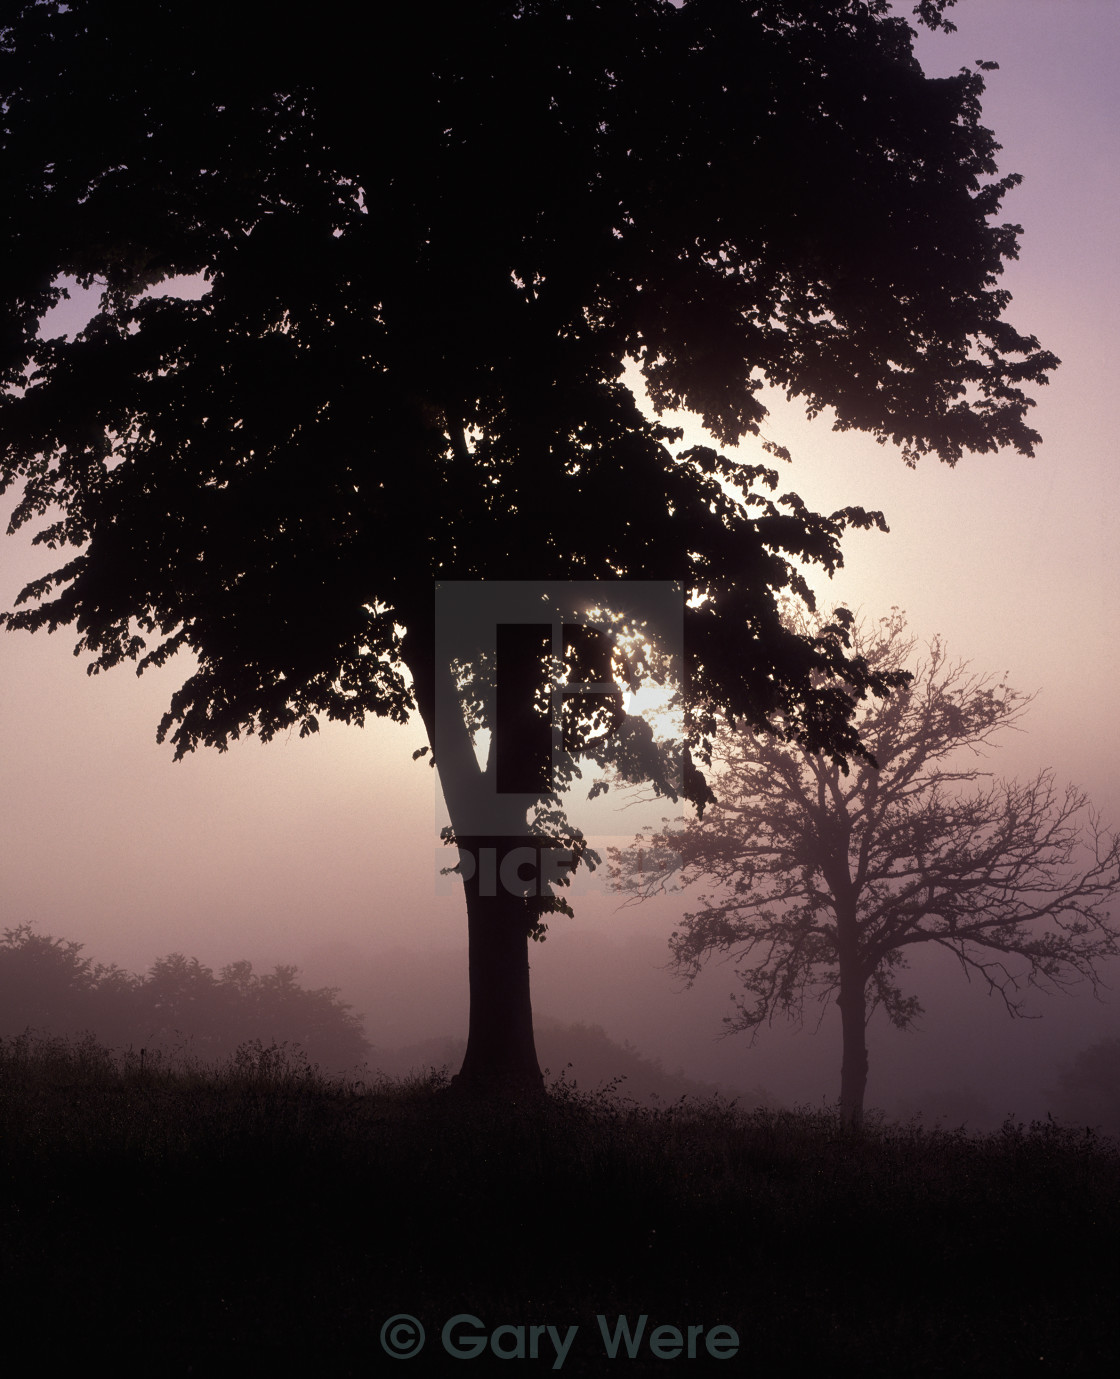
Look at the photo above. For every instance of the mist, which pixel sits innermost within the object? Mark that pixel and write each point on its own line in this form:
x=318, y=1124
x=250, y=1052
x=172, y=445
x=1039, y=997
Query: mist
x=323, y=852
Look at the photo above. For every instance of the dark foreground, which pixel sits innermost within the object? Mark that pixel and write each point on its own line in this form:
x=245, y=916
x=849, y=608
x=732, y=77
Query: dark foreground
x=263, y=1220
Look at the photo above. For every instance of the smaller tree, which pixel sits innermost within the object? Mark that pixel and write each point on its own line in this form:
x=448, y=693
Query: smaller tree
x=828, y=877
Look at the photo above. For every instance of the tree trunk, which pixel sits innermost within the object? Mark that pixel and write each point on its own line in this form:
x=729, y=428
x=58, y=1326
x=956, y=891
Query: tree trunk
x=853, y=1067
x=501, y=1052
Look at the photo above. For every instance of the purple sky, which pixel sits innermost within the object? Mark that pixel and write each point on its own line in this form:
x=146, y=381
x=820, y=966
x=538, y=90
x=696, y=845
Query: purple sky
x=320, y=851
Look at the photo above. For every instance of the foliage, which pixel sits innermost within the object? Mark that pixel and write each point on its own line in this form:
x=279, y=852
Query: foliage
x=179, y=1004
x=405, y=365
x=826, y=880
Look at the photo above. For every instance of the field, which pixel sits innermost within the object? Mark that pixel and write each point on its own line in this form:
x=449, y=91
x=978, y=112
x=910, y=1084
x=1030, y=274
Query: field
x=172, y=1221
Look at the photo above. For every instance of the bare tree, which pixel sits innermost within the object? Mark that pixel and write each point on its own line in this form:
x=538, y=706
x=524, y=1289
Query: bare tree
x=827, y=878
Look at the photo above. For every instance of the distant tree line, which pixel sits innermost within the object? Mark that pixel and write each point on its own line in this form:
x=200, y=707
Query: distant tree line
x=178, y=1006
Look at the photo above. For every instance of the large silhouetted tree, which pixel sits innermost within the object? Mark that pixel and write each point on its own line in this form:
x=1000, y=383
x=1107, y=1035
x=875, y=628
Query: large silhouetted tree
x=825, y=881
x=431, y=236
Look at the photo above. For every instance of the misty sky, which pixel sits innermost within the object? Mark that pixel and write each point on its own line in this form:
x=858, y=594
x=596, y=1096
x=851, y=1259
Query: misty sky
x=320, y=851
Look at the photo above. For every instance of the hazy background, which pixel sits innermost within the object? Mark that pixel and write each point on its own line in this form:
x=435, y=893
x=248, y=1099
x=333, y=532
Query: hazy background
x=320, y=851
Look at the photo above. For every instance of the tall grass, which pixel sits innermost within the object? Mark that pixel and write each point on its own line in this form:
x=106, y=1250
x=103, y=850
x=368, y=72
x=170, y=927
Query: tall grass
x=182, y=1220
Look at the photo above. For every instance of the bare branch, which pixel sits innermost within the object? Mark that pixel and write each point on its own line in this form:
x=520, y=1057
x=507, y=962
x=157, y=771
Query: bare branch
x=821, y=882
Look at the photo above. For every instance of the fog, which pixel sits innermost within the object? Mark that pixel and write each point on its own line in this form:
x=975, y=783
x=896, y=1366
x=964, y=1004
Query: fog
x=323, y=852
x=967, y=1062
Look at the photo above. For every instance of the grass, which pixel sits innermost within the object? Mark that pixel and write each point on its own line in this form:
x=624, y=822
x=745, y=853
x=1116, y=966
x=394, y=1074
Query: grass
x=173, y=1220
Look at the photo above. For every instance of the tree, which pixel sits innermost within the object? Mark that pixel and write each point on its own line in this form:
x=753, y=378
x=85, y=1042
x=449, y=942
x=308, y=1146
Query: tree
x=828, y=879
x=180, y=1001
x=406, y=365
x=46, y=985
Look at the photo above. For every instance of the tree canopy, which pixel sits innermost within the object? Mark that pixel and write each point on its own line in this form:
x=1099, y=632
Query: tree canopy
x=432, y=236
x=824, y=884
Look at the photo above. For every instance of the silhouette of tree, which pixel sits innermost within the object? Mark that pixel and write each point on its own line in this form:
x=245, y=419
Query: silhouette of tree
x=184, y=1003
x=431, y=236
x=827, y=879
x=323, y=1026
x=46, y=985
